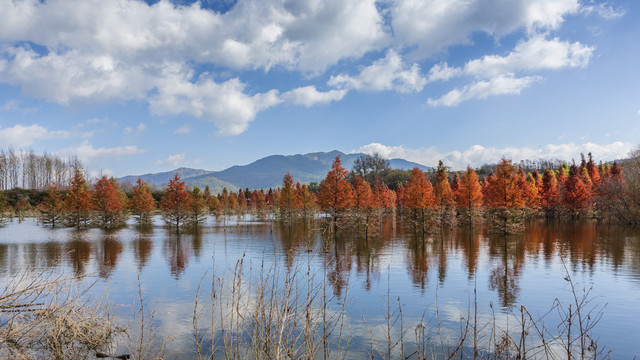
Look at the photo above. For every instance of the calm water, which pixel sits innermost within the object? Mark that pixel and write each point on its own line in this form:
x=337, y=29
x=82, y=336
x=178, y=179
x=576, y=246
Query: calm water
x=521, y=270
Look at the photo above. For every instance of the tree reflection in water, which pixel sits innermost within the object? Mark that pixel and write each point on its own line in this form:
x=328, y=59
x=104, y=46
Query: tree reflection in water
x=78, y=251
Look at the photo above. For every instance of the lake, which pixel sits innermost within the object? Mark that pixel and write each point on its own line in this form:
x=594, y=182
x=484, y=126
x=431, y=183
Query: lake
x=432, y=280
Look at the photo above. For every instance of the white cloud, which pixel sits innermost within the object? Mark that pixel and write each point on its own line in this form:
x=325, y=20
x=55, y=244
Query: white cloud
x=225, y=104
x=443, y=72
x=173, y=160
x=14, y=105
x=477, y=155
x=184, y=129
x=87, y=152
x=20, y=136
x=499, y=85
x=131, y=130
x=129, y=50
x=536, y=53
x=604, y=10
x=432, y=26
x=389, y=73
x=309, y=96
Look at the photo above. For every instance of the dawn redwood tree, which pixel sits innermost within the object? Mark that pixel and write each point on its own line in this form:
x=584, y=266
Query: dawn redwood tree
x=78, y=201
x=445, y=200
x=335, y=195
x=419, y=199
x=175, y=203
x=363, y=204
x=141, y=203
x=108, y=203
x=577, y=194
x=469, y=195
x=505, y=199
x=307, y=200
x=549, y=193
x=51, y=209
x=288, y=200
x=198, y=207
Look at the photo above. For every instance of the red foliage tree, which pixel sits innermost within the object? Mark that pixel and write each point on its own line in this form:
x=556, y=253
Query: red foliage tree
x=108, y=203
x=141, y=203
x=549, y=193
x=52, y=207
x=288, y=201
x=419, y=198
x=176, y=202
x=335, y=195
x=78, y=204
x=577, y=194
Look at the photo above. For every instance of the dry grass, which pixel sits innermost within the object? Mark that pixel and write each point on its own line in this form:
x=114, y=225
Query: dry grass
x=47, y=316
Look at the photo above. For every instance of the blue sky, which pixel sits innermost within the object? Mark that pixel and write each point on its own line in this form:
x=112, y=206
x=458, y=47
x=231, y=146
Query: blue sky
x=134, y=87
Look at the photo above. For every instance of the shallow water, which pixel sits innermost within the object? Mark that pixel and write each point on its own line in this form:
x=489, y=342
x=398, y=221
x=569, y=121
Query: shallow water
x=438, y=272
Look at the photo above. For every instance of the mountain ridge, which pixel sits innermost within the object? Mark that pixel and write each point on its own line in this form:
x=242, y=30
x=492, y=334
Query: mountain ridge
x=265, y=172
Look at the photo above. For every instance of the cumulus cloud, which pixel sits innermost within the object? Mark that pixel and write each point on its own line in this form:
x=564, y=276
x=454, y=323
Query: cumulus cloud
x=499, y=85
x=309, y=96
x=226, y=104
x=478, y=155
x=536, y=53
x=86, y=152
x=604, y=10
x=389, y=73
x=20, y=136
x=432, y=26
x=79, y=51
x=184, y=129
x=131, y=130
x=173, y=160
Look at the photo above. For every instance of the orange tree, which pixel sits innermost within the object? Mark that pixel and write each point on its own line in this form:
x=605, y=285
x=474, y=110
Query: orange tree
x=418, y=198
x=141, y=203
x=108, y=203
x=78, y=204
x=175, y=203
x=503, y=196
x=469, y=195
x=288, y=201
x=51, y=209
x=335, y=195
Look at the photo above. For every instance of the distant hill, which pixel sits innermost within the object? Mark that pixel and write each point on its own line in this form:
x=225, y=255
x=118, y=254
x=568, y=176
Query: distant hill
x=266, y=172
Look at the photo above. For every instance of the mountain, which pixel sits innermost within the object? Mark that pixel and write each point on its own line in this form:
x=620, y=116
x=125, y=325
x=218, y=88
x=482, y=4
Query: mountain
x=266, y=172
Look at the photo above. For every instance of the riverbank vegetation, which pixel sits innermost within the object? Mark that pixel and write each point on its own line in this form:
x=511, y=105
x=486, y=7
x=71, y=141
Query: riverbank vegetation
x=503, y=195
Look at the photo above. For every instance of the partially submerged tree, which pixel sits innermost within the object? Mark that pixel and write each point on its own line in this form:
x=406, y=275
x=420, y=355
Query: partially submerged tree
x=51, y=210
x=503, y=196
x=198, y=207
x=78, y=201
x=142, y=203
x=469, y=196
x=108, y=203
x=175, y=203
x=418, y=199
x=335, y=195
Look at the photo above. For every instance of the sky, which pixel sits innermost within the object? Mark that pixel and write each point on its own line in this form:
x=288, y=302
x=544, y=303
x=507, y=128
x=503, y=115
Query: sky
x=132, y=87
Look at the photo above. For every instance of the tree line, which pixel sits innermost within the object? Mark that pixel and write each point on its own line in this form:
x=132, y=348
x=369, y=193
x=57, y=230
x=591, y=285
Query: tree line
x=358, y=200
